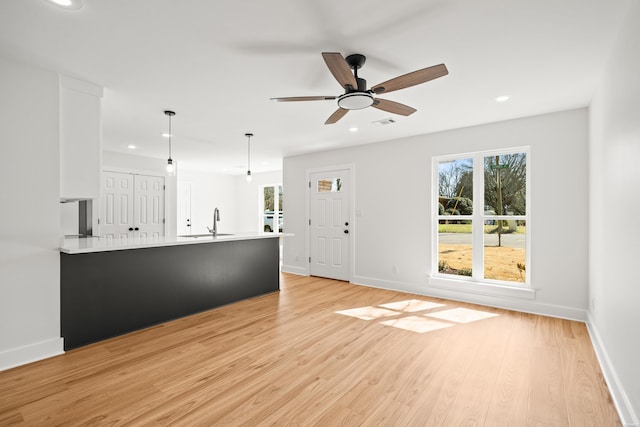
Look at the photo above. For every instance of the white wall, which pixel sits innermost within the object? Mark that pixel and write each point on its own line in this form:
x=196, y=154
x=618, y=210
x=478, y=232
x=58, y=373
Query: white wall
x=249, y=195
x=210, y=191
x=393, y=194
x=614, y=229
x=29, y=215
x=237, y=199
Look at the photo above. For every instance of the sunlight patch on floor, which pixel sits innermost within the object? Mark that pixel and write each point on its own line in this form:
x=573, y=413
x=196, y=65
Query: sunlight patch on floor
x=408, y=317
x=412, y=305
x=461, y=315
x=368, y=313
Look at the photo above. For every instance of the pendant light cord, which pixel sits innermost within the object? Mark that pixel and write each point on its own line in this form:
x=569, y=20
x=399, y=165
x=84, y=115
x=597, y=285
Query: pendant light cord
x=170, y=135
x=249, y=153
x=248, y=135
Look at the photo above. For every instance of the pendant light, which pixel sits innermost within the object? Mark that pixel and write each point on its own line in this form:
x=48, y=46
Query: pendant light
x=170, y=167
x=248, y=135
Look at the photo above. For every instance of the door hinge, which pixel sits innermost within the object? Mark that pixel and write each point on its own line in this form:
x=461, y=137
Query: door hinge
x=163, y=220
x=309, y=260
x=309, y=221
x=98, y=221
x=309, y=184
x=164, y=187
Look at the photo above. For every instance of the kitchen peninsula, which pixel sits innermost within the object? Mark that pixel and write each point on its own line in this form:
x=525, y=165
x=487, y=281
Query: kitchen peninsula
x=111, y=287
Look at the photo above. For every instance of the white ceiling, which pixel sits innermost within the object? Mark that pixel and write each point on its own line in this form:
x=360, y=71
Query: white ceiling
x=217, y=63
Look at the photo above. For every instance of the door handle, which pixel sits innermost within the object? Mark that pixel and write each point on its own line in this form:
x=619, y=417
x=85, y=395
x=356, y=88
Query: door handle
x=346, y=231
x=136, y=229
x=130, y=228
x=346, y=224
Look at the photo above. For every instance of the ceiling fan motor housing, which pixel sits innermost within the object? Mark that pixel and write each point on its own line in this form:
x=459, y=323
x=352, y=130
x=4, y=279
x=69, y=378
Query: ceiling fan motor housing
x=356, y=98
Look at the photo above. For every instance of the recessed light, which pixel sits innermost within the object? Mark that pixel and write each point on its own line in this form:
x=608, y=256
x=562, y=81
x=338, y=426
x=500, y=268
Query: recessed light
x=503, y=98
x=131, y=147
x=166, y=135
x=353, y=129
x=66, y=4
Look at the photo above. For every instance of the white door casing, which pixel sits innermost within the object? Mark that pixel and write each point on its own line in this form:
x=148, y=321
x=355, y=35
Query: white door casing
x=329, y=222
x=131, y=205
x=184, y=208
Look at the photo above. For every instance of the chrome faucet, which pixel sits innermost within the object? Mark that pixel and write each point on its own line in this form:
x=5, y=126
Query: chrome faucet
x=216, y=218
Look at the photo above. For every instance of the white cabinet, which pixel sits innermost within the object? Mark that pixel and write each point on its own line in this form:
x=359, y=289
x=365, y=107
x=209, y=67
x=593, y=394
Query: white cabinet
x=80, y=139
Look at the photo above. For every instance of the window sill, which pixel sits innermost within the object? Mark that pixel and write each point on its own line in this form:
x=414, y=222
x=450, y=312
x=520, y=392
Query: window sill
x=479, y=288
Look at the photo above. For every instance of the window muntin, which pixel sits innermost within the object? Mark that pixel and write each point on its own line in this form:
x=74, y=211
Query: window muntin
x=482, y=239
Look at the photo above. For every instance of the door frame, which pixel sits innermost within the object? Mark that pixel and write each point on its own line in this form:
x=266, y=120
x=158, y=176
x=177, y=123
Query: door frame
x=134, y=172
x=350, y=167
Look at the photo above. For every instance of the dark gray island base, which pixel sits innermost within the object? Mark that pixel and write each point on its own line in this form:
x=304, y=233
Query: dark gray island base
x=109, y=293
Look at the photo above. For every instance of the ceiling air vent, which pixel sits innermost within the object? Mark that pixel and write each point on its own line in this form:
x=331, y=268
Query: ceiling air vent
x=384, y=122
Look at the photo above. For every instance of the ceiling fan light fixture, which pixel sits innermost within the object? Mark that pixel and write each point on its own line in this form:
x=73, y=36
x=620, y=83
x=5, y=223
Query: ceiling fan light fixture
x=355, y=100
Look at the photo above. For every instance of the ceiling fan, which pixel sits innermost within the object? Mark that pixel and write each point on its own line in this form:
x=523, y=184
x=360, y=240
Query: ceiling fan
x=356, y=96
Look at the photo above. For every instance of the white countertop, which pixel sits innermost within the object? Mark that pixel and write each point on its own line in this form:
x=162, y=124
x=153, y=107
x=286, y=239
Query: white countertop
x=75, y=245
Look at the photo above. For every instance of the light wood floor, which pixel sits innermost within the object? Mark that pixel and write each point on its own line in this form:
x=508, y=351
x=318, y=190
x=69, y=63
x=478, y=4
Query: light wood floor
x=289, y=359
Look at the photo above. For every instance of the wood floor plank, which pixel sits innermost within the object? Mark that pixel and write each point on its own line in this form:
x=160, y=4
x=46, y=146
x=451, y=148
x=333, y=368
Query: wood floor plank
x=303, y=357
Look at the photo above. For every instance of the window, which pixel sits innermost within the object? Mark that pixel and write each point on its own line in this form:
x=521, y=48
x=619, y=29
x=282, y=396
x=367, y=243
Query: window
x=482, y=216
x=272, y=208
x=329, y=185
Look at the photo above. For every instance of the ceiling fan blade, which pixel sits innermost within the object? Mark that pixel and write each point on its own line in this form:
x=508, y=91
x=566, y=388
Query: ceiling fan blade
x=303, y=98
x=337, y=115
x=393, y=107
x=340, y=69
x=411, y=79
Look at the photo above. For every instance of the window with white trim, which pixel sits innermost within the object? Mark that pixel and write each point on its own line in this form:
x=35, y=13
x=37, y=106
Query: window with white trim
x=481, y=211
x=271, y=204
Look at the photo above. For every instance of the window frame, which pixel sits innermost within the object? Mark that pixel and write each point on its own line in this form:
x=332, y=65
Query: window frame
x=477, y=283
x=278, y=212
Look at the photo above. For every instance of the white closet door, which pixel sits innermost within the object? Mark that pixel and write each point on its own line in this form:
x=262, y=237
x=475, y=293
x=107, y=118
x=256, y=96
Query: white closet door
x=149, y=206
x=116, y=207
x=131, y=206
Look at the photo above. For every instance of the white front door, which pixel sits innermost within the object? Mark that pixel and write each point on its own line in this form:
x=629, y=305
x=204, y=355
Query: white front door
x=131, y=206
x=329, y=224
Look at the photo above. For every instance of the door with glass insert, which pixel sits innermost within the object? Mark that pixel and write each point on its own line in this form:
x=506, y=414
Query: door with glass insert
x=329, y=227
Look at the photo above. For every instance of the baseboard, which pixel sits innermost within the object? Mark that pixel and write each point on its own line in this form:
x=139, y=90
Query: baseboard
x=620, y=399
x=300, y=271
x=385, y=284
x=516, y=304
x=31, y=353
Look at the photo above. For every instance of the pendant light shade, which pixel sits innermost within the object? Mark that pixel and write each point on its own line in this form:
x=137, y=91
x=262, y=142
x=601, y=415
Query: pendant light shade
x=248, y=135
x=170, y=166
